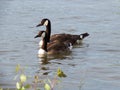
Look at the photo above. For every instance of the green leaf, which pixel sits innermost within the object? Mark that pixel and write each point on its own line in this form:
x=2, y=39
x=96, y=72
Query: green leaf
x=47, y=87
x=27, y=86
x=17, y=68
x=36, y=78
x=23, y=78
x=60, y=73
x=23, y=88
x=1, y=89
x=18, y=85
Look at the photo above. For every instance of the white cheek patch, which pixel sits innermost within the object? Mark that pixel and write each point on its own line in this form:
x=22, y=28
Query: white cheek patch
x=46, y=23
x=43, y=35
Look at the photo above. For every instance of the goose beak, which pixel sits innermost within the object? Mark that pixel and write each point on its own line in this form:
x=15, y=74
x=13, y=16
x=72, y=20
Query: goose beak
x=39, y=34
x=39, y=25
x=36, y=36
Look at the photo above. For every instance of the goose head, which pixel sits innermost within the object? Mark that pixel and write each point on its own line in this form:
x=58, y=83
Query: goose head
x=40, y=34
x=43, y=35
x=46, y=22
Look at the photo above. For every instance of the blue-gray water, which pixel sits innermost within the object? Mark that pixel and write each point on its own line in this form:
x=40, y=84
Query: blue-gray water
x=95, y=65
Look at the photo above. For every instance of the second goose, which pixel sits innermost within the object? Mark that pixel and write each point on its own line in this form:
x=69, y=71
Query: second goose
x=52, y=48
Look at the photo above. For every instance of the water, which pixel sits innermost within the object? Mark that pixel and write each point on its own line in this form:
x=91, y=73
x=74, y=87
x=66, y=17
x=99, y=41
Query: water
x=94, y=65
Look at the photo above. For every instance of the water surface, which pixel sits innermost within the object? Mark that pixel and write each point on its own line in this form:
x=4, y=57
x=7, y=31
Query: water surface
x=94, y=65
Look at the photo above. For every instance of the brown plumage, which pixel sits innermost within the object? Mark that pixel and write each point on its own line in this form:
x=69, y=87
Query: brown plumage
x=56, y=47
x=68, y=38
x=74, y=39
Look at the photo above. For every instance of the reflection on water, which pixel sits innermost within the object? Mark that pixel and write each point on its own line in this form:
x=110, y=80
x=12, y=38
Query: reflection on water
x=94, y=65
x=55, y=56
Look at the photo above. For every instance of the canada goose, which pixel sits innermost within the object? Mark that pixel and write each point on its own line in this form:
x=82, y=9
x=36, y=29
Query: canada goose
x=52, y=48
x=74, y=39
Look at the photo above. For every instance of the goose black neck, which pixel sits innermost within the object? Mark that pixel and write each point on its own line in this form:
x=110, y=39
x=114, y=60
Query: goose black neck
x=48, y=31
x=44, y=46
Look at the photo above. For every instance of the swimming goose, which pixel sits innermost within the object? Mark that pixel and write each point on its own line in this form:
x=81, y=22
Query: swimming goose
x=74, y=39
x=52, y=48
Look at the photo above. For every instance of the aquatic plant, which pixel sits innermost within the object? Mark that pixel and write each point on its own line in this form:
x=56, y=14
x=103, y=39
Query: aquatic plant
x=21, y=84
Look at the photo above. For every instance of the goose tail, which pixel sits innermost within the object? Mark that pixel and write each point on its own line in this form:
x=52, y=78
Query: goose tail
x=83, y=35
